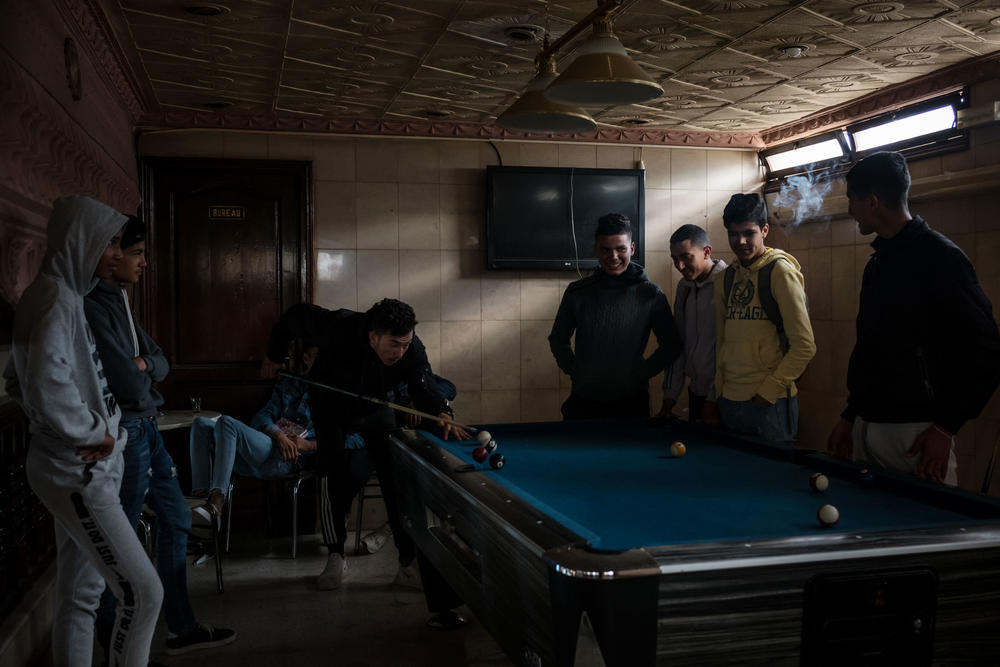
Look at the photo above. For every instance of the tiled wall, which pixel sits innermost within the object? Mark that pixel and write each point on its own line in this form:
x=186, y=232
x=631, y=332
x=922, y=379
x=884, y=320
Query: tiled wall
x=404, y=218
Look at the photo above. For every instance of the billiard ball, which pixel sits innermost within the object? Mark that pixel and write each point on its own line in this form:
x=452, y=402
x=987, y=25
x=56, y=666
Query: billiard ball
x=497, y=461
x=483, y=437
x=866, y=477
x=828, y=515
x=490, y=446
x=479, y=454
x=819, y=482
x=678, y=449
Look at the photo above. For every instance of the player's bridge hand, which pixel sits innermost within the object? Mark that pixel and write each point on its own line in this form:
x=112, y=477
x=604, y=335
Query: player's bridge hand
x=451, y=428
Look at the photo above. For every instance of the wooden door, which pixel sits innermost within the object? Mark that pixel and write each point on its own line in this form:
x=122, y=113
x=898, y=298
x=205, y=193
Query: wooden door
x=229, y=247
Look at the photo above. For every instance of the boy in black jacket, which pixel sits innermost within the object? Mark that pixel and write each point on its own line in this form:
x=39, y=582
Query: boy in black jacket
x=927, y=357
x=369, y=354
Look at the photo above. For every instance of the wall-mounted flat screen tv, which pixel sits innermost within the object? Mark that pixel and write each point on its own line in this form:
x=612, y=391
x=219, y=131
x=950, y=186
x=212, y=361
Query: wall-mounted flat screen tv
x=534, y=214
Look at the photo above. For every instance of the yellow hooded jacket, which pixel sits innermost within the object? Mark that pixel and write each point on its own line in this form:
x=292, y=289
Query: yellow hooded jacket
x=749, y=357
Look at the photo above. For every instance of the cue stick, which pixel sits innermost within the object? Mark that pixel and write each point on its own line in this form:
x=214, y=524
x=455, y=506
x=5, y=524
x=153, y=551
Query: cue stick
x=987, y=482
x=379, y=401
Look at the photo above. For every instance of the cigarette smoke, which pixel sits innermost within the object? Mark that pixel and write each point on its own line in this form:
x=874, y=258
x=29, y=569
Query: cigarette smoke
x=803, y=195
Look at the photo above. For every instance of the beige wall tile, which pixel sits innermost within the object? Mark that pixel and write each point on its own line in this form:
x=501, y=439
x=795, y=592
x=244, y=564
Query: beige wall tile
x=925, y=168
x=725, y=170
x=429, y=332
x=244, y=145
x=510, y=152
x=540, y=405
x=460, y=162
x=336, y=283
x=688, y=169
x=333, y=159
x=378, y=225
x=753, y=172
x=660, y=269
x=819, y=284
x=182, y=144
x=577, y=155
x=539, y=298
x=468, y=407
x=842, y=232
x=289, y=147
x=539, y=154
x=657, y=161
x=616, y=157
x=420, y=282
x=378, y=276
x=419, y=216
x=462, y=216
x=658, y=219
x=377, y=161
x=501, y=407
x=462, y=354
x=538, y=366
x=335, y=215
x=419, y=161
x=501, y=354
x=688, y=207
x=461, y=292
x=715, y=204
x=844, y=285
x=501, y=296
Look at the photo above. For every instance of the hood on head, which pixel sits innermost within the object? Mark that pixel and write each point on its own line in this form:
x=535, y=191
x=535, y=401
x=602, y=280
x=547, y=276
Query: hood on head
x=79, y=231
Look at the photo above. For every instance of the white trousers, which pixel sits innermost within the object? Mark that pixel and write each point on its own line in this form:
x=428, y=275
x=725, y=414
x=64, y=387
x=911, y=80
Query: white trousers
x=886, y=445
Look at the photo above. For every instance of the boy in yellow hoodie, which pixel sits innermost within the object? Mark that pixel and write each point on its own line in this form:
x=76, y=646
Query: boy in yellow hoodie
x=764, y=339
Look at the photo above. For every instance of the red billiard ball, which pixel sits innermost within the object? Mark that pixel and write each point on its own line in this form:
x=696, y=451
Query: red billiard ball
x=479, y=454
x=497, y=461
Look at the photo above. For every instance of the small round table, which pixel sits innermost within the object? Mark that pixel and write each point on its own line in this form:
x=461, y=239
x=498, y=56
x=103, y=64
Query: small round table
x=171, y=419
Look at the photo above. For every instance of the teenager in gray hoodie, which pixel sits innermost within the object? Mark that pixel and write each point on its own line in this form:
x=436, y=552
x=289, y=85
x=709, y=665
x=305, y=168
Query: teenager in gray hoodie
x=612, y=312
x=694, y=312
x=74, y=463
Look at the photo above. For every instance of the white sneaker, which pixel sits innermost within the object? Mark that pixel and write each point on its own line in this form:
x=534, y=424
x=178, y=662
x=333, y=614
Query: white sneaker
x=333, y=574
x=376, y=539
x=409, y=576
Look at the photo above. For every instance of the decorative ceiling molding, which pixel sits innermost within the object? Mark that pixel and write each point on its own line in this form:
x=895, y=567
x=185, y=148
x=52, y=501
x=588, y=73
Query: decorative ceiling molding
x=184, y=119
x=888, y=99
x=748, y=65
x=98, y=36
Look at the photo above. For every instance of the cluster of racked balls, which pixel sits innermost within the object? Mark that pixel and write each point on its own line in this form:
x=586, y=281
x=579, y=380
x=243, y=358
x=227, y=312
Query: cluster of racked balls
x=488, y=448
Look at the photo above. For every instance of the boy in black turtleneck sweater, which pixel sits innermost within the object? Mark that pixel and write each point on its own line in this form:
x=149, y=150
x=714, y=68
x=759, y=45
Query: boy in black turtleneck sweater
x=927, y=356
x=612, y=312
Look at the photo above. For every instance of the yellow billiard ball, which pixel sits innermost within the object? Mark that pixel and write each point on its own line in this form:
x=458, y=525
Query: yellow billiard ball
x=678, y=449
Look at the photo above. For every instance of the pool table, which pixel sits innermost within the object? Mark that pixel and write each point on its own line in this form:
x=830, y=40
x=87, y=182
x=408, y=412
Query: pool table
x=594, y=545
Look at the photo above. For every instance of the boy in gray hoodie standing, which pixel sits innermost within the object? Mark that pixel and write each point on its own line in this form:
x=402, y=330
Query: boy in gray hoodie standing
x=74, y=463
x=694, y=312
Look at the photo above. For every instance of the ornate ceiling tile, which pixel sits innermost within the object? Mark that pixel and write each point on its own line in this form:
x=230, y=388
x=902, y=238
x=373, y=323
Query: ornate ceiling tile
x=861, y=13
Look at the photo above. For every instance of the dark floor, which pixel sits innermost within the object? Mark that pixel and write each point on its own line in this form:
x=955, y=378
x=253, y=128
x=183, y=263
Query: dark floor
x=282, y=619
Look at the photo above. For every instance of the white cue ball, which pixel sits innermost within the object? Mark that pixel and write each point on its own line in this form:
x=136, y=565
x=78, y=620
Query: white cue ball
x=819, y=482
x=484, y=437
x=828, y=515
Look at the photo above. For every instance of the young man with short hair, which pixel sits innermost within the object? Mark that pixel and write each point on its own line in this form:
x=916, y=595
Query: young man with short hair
x=927, y=355
x=369, y=354
x=612, y=312
x=694, y=313
x=133, y=362
x=74, y=463
x=764, y=339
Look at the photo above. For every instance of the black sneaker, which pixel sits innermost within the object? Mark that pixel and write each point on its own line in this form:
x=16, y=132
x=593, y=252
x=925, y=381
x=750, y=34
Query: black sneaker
x=203, y=636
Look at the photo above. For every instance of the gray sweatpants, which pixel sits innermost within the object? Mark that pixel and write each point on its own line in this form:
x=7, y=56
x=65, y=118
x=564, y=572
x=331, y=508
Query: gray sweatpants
x=95, y=544
x=887, y=444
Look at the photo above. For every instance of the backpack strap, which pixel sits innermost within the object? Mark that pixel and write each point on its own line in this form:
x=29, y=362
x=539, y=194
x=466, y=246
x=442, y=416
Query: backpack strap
x=769, y=305
x=728, y=282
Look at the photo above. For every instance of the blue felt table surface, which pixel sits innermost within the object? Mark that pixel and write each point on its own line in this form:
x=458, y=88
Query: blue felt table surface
x=616, y=485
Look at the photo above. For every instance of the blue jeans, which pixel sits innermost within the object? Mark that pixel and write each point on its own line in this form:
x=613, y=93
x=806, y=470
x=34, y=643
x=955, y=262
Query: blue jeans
x=148, y=467
x=776, y=423
x=219, y=448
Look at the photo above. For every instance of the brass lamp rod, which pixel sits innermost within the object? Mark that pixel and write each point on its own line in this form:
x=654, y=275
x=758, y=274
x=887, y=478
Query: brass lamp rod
x=604, y=8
